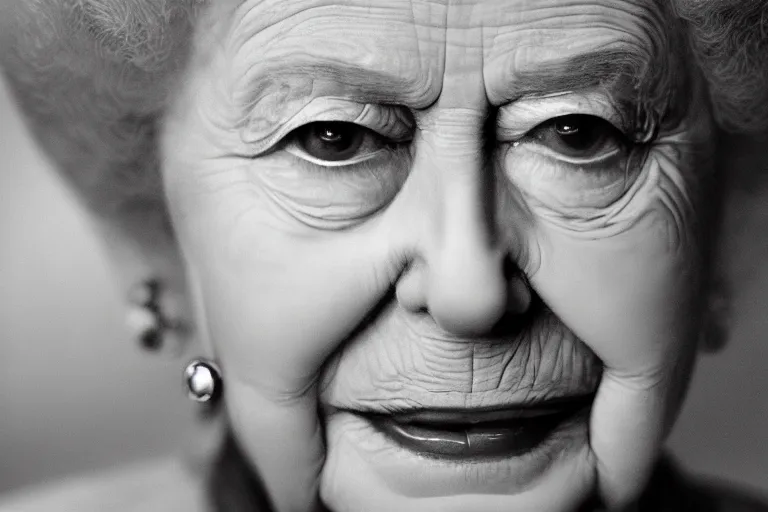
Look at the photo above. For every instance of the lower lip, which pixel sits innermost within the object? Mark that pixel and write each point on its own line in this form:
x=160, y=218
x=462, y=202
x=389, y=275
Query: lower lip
x=498, y=439
x=356, y=441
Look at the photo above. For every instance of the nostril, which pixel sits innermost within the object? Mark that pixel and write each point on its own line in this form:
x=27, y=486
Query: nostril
x=519, y=289
x=410, y=289
x=520, y=295
x=513, y=323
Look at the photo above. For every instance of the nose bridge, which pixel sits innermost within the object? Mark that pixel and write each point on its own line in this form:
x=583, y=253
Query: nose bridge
x=465, y=288
x=466, y=211
x=465, y=190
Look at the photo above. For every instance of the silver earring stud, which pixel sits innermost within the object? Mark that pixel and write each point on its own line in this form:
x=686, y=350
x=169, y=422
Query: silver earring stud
x=202, y=379
x=150, y=326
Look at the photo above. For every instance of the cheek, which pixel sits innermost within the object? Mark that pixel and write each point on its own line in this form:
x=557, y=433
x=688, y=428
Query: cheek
x=277, y=296
x=630, y=286
x=332, y=198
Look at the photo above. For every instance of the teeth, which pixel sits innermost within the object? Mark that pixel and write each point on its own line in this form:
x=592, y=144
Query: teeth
x=450, y=425
x=482, y=425
x=448, y=419
x=509, y=437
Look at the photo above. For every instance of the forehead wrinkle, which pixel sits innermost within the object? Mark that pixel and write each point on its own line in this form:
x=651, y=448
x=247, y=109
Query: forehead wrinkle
x=409, y=81
x=340, y=57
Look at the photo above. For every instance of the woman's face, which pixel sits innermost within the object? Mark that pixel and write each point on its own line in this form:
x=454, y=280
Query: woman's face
x=436, y=221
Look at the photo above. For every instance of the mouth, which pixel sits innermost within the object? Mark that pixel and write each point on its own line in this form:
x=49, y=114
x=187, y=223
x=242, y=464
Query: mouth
x=480, y=434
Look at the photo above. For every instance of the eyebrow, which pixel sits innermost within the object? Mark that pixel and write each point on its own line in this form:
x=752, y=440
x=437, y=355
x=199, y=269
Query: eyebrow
x=646, y=88
x=639, y=83
x=361, y=83
x=622, y=71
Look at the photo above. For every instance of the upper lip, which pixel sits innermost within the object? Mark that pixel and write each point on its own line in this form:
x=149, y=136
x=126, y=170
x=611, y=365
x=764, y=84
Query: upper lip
x=499, y=412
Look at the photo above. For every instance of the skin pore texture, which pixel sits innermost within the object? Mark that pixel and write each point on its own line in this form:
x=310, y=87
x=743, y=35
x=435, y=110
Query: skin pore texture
x=391, y=279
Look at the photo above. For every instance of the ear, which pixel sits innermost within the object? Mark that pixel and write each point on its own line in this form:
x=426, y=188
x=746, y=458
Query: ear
x=743, y=230
x=92, y=80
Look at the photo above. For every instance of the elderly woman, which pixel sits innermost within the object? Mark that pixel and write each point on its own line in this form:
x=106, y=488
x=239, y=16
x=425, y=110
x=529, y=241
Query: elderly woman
x=440, y=255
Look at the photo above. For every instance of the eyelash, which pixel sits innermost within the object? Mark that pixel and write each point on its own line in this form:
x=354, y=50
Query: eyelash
x=537, y=136
x=396, y=155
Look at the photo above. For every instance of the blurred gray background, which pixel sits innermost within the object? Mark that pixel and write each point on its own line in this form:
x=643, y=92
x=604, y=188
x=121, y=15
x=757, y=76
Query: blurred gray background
x=77, y=395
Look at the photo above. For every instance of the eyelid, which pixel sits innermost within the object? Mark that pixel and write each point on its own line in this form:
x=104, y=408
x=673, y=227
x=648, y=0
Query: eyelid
x=290, y=148
x=390, y=121
x=387, y=120
x=543, y=150
x=516, y=119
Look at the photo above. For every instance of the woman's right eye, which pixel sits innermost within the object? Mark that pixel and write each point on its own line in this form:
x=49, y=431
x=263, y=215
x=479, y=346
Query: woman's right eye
x=336, y=142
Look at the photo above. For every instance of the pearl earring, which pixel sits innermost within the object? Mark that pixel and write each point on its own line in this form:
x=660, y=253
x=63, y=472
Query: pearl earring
x=202, y=379
x=150, y=326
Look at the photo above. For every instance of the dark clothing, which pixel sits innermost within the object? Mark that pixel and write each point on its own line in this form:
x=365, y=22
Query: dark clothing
x=669, y=490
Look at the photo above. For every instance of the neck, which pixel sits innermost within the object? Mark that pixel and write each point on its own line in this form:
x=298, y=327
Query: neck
x=233, y=486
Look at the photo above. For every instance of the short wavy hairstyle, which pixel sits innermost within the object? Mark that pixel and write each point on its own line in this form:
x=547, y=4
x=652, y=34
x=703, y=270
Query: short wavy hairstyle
x=729, y=39
x=94, y=77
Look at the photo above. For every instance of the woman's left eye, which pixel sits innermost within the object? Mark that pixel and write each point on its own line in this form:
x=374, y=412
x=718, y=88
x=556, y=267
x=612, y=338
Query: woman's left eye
x=337, y=141
x=579, y=137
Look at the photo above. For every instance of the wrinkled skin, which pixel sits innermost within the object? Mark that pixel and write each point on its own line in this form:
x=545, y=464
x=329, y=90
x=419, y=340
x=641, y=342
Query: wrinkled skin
x=425, y=242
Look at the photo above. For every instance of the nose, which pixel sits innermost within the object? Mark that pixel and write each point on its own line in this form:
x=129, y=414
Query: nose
x=466, y=289
x=466, y=279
